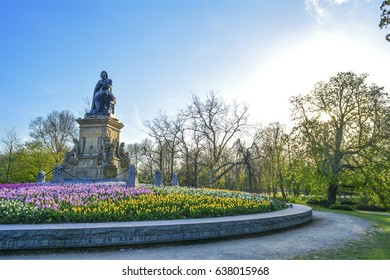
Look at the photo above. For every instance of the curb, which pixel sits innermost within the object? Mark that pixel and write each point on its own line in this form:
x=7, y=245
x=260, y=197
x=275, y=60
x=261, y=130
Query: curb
x=82, y=235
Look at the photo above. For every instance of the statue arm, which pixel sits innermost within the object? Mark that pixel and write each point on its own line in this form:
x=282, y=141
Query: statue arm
x=97, y=87
x=109, y=86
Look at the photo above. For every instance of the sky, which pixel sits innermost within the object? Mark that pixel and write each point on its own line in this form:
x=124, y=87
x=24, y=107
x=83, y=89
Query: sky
x=159, y=53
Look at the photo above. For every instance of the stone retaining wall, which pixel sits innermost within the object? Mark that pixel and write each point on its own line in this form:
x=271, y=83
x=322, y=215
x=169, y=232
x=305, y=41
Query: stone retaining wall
x=52, y=236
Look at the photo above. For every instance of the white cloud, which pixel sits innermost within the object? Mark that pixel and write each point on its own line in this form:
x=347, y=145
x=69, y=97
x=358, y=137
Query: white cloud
x=315, y=7
x=320, y=8
x=337, y=2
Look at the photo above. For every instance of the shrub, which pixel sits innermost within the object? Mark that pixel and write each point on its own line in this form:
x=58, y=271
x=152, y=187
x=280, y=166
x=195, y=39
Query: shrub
x=372, y=208
x=341, y=207
x=317, y=201
x=295, y=199
x=348, y=201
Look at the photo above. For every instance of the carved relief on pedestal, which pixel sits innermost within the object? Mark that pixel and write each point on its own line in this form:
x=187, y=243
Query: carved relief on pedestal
x=123, y=155
x=72, y=157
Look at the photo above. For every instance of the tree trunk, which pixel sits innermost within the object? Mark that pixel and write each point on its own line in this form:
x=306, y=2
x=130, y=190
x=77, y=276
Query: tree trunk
x=281, y=185
x=211, y=177
x=332, y=194
x=9, y=161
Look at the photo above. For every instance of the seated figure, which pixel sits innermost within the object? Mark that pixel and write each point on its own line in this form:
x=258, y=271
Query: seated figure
x=103, y=99
x=71, y=157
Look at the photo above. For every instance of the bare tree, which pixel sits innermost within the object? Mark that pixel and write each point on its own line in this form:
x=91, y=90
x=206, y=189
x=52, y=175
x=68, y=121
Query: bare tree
x=157, y=130
x=147, y=160
x=55, y=131
x=134, y=153
x=11, y=144
x=248, y=155
x=220, y=124
x=190, y=145
x=86, y=101
x=165, y=131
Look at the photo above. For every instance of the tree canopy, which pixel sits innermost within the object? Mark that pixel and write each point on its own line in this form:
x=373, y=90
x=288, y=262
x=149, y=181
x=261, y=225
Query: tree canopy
x=341, y=122
x=385, y=17
x=55, y=131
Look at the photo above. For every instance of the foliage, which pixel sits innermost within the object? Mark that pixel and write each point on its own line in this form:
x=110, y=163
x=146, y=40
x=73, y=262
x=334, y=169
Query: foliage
x=344, y=207
x=11, y=144
x=29, y=203
x=295, y=199
x=27, y=160
x=274, y=155
x=55, y=131
x=317, y=201
x=342, y=123
x=366, y=207
x=18, y=212
x=385, y=17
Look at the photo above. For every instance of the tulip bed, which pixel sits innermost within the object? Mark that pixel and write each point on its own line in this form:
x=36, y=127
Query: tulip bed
x=30, y=203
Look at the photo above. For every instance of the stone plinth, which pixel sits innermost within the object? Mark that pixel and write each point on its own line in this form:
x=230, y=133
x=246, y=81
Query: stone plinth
x=98, y=155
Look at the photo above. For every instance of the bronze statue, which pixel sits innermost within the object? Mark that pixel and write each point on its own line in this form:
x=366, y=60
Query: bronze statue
x=103, y=102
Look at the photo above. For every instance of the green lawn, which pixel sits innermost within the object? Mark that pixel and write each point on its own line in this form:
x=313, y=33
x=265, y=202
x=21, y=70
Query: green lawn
x=374, y=246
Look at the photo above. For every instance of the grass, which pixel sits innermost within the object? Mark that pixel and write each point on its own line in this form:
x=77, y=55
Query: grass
x=374, y=246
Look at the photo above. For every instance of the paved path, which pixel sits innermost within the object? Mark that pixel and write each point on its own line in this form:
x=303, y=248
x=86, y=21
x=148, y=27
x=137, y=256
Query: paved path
x=325, y=230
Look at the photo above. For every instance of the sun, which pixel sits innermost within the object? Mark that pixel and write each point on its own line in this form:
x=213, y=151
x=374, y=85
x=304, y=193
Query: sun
x=324, y=117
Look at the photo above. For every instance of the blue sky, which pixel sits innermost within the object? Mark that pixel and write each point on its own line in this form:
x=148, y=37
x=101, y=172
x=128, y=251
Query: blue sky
x=159, y=53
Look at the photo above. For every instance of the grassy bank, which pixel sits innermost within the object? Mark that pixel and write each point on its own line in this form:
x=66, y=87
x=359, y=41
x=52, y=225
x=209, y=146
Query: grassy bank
x=374, y=246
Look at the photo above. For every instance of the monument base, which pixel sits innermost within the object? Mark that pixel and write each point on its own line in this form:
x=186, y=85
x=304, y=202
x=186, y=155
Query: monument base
x=99, y=156
x=94, y=172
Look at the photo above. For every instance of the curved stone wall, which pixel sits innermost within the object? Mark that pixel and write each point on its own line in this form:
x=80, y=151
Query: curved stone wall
x=52, y=236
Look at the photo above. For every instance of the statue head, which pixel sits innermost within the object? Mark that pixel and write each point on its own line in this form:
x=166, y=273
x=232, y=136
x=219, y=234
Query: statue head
x=103, y=75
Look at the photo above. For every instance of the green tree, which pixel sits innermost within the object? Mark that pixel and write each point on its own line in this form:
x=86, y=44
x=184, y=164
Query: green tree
x=340, y=121
x=274, y=140
x=385, y=17
x=35, y=157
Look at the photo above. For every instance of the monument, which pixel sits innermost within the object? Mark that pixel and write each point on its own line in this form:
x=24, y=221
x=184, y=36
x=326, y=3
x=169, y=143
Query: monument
x=175, y=180
x=97, y=153
x=132, y=180
x=157, y=180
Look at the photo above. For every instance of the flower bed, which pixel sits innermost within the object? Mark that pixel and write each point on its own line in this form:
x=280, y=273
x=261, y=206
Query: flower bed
x=29, y=203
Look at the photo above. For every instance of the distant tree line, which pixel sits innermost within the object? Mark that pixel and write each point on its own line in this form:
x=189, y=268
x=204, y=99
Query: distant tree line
x=340, y=140
x=50, y=138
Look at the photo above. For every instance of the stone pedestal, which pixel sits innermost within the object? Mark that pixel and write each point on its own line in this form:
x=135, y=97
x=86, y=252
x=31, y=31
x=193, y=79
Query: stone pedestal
x=98, y=155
